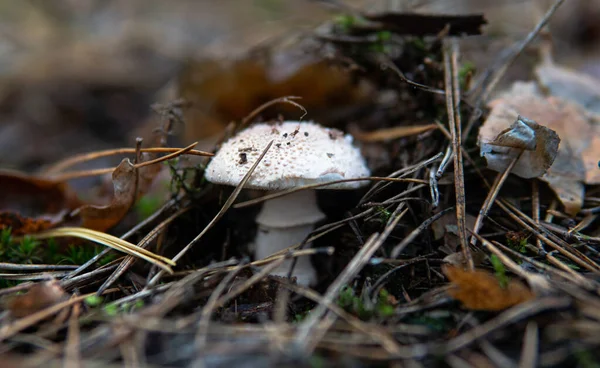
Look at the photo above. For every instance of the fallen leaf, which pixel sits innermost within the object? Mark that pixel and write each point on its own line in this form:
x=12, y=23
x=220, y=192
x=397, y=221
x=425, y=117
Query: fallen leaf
x=40, y=296
x=30, y=204
x=576, y=163
x=536, y=144
x=129, y=183
x=570, y=85
x=481, y=290
x=222, y=91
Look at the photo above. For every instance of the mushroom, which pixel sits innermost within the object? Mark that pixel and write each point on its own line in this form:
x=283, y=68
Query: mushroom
x=302, y=153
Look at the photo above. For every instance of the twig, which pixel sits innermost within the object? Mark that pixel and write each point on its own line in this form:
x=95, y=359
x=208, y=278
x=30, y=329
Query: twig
x=453, y=108
x=406, y=241
x=529, y=352
x=72, y=356
x=71, y=161
x=491, y=197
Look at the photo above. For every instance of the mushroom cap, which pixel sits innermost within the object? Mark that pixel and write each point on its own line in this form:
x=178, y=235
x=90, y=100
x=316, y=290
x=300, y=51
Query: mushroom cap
x=302, y=153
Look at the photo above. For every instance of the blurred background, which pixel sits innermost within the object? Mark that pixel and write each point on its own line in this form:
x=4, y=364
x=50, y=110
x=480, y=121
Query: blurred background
x=81, y=75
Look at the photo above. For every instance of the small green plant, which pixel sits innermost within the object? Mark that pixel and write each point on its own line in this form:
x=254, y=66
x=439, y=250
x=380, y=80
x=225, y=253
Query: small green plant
x=384, y=214
x=345, y=22
x=467, y=69
x=26, y=251
x=355, y=304
x=499, y=270
x=113, y=309
x=384, y=306
x=5, y=236
x=93, y=300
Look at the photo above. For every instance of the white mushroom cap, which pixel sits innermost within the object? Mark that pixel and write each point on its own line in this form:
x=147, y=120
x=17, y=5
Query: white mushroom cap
x=302, y=153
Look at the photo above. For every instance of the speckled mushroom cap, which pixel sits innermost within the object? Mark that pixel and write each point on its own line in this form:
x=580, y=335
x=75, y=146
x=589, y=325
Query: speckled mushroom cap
x=302, y=153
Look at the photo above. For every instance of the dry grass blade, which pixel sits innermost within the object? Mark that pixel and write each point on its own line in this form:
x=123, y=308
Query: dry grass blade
x=220, y=214
x=452, y=106
x=129, y=260
x=310, y=332
x=71, y=161
x=87, y=173
x=167, y=206
x=109, y=241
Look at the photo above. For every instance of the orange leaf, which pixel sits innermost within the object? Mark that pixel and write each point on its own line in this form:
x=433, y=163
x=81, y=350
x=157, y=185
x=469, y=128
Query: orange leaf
x=480, y=290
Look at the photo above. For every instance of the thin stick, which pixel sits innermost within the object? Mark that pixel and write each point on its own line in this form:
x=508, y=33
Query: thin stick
x=87, y=173
x=72, y=355
x=71, y=161
x=452, y=106
x=285, y=99
x=491, y=197
x=529, y=352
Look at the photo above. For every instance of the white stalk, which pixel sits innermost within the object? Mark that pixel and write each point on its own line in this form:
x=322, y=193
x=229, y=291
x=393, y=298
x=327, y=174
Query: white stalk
x=283, y=222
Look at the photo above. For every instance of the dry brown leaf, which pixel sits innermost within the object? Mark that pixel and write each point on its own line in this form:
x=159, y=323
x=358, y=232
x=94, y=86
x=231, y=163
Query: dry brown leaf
x=40, y=296
x=568, y=84
x=30, y=204
x=222, y=91
x=536, y=144
x=127, y=187
x=480, y=290
x=577, y=160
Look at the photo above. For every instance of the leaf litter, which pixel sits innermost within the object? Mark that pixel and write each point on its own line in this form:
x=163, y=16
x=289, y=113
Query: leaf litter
x=381, y=251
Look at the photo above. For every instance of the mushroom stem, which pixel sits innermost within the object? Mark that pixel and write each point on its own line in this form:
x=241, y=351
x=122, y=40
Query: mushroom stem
x=283, y=222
